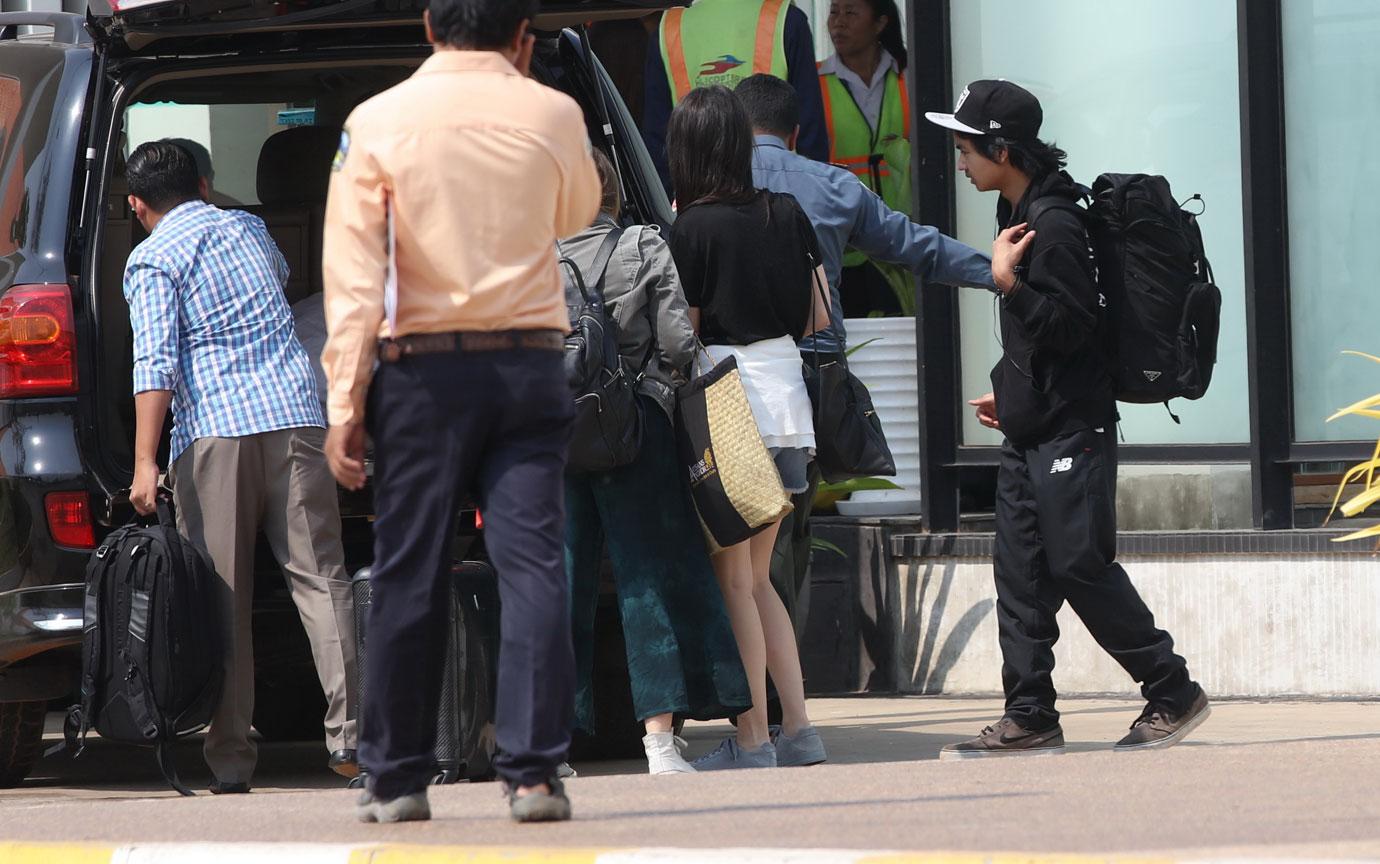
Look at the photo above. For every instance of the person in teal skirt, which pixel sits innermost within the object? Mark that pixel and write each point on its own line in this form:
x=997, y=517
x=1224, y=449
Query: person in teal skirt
x=682, y=657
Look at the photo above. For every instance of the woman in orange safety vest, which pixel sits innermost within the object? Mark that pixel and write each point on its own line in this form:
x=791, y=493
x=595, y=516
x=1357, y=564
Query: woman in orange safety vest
x=867, y=110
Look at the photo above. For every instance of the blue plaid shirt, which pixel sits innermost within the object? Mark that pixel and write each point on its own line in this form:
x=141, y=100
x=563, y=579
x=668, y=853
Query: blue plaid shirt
x=211, y=324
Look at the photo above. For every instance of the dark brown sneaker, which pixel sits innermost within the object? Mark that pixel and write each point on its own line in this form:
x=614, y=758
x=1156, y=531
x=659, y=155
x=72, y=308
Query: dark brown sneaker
x=1007, y=738
x=1156, y=727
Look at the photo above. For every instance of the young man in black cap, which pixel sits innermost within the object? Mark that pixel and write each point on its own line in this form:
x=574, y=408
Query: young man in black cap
x=1056, y=485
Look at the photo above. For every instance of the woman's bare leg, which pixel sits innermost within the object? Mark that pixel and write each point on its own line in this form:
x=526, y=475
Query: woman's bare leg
x=783, y=654
x=733, y=568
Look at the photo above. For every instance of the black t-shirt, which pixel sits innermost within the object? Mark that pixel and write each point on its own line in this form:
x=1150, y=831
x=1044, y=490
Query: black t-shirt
x=747, y=267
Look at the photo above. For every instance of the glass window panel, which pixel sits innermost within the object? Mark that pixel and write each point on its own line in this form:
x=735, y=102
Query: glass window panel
x=1126, y=86
x=1332, y=120
x=232, y=135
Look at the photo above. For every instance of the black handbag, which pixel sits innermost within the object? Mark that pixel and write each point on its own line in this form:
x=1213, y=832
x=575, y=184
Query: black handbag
x=849, y=441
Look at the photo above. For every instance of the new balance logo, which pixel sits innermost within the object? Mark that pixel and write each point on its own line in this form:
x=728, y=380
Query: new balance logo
x=1061, y=465
x=1151, y=375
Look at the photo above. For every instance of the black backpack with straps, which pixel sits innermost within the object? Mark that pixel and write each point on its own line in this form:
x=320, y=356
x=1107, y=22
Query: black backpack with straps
x=608, y=422
x=152, y=660
x=1163, y=309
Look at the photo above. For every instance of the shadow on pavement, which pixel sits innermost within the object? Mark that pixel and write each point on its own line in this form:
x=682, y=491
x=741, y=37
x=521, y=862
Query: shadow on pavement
x=778, y=807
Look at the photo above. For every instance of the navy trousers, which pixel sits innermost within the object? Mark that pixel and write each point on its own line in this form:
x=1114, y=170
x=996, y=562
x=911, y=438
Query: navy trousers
x=494, y=425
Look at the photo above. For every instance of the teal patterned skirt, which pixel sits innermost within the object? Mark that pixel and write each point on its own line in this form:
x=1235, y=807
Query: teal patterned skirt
x=681, y=654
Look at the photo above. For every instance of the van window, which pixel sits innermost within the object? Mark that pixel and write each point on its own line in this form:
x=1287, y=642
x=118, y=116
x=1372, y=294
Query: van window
x=36, y=134
x=225, y=138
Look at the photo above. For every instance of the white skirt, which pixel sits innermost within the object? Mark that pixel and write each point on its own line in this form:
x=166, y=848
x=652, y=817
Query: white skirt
x=775, y=385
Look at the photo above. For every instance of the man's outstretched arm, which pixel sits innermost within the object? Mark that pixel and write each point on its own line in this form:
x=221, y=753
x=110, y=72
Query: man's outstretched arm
x=886, y=235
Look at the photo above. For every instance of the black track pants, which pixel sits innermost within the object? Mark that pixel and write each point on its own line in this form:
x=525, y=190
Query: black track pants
x=1056, y=541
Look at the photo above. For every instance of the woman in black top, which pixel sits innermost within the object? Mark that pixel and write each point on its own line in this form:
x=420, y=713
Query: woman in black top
x=746, y=259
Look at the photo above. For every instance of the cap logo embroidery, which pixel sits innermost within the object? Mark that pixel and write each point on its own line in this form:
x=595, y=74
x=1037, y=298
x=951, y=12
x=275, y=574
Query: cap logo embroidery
x=962, y=97
x=992, y=124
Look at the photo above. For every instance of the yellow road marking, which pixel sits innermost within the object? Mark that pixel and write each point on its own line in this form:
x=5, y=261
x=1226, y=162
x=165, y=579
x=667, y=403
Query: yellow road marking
x=54, y=853
x=473, y=855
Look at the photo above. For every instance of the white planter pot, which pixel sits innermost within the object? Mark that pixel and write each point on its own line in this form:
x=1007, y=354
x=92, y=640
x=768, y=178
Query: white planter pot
x=888, y=368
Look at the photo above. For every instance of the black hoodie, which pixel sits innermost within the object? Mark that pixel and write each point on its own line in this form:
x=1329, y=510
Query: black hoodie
x=1053, y=376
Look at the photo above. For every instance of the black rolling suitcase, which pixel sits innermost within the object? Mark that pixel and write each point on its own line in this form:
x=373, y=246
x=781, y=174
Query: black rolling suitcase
x=464, y=725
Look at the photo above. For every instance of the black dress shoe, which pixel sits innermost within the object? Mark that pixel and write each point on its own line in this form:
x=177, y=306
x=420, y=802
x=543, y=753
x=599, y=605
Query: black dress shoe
x=221, y=788
x=345, y=763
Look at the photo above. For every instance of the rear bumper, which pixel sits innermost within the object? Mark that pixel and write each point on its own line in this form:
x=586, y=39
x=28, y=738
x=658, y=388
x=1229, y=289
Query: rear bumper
x=40, y=635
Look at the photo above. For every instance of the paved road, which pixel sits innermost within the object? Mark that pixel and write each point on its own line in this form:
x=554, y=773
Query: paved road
x=1283, y=779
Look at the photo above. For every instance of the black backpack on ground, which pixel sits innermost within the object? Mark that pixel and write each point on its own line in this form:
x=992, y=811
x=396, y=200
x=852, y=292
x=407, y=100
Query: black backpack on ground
x=1164, y=310
x=151, y=650
x=607, y=430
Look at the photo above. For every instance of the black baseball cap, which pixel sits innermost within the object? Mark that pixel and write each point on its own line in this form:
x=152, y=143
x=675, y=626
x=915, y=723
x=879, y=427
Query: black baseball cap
x=994, y=107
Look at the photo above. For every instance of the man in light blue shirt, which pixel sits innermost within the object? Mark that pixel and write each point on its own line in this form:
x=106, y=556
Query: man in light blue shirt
x=844, y=211
x=214, y=340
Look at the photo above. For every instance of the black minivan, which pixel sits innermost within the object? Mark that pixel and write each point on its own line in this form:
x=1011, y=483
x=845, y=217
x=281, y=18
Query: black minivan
x=264, y=86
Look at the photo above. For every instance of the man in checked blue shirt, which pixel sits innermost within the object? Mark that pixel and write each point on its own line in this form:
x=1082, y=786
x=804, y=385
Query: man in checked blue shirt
x=845, y=213
x=214, y=339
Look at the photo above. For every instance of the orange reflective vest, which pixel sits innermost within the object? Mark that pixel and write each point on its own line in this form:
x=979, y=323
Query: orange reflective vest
x=880, y=157
x=723, y=42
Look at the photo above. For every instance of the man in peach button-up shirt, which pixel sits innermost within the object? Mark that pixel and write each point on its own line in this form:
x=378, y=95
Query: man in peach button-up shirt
x=444, y=306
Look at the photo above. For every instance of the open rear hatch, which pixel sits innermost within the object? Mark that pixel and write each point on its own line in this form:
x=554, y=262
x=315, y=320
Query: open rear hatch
x=183, y=26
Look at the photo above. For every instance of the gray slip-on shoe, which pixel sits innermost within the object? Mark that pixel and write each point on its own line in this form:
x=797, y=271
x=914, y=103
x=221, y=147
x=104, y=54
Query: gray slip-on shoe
x=551, y=806
x=802, y=748
x=729, y=755
x=404, y=808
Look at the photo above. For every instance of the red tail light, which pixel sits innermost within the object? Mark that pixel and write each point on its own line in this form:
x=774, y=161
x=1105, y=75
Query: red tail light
x=38, y=345
x=69, y=519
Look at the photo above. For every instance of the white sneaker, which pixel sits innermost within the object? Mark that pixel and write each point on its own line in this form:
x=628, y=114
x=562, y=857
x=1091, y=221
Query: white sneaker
x=663, y=754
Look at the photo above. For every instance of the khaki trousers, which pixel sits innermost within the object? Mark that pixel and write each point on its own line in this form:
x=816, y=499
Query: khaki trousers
x=225, y=491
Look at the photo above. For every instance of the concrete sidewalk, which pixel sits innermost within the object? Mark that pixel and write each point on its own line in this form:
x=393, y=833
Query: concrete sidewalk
x=1280, y=780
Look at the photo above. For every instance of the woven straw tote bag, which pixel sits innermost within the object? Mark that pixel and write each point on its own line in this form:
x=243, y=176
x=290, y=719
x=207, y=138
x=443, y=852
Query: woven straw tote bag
x=733, y=479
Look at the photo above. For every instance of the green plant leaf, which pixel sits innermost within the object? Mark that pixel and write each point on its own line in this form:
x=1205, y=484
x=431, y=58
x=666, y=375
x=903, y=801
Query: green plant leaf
x=858, y=484
x=1367, y=468
x=861, y=345
x=1370, y=492
x=822, y=545
x=1359, y=503
x=1372, y=531
x=1362, y=354
x=1363, y=408
x=829, y=493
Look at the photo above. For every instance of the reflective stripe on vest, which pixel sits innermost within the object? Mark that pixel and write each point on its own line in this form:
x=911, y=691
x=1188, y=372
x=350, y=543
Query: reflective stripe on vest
x=880, y=157
x=698, y=37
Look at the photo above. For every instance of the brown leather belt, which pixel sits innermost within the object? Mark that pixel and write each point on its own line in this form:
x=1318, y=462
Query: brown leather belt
x=393, y=350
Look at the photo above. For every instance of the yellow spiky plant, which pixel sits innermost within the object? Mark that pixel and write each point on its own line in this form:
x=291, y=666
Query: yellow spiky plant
x=1367, y=473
